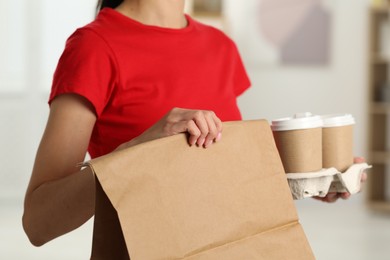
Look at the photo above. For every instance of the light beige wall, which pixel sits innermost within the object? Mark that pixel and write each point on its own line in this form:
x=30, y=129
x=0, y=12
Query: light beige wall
x=35, y=34
x=340, y=87
x=276, y=91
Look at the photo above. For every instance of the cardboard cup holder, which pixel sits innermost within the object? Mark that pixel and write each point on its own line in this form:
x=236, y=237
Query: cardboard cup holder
x=320, y=183
x=317, y=154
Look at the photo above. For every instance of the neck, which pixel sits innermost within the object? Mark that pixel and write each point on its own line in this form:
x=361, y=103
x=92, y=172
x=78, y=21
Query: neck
x=162, y=13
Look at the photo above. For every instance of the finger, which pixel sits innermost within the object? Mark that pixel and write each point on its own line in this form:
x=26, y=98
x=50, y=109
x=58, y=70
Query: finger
x=218, y=124
x=345, y=195
x=193, y=131
x=213, y=131
x=202, y=125
x=219, y=137
x=359, y=160
x=187, y=126
x=331, y=197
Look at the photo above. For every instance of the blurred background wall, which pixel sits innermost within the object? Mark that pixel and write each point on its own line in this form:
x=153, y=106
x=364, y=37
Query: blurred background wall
x=338, y=86
x=33, y=34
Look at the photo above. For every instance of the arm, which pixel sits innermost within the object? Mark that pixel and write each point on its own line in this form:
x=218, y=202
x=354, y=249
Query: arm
x=60, y=197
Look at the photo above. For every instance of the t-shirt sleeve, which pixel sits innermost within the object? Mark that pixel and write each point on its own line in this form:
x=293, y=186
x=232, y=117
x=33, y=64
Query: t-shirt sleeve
x=86, y=68
x=241, y=80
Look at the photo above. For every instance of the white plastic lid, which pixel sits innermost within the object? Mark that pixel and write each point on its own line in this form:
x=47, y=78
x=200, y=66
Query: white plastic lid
x=298, y=121
x=335, y=120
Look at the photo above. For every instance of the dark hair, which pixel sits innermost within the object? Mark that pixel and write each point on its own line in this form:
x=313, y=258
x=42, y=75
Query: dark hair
x=107, y=3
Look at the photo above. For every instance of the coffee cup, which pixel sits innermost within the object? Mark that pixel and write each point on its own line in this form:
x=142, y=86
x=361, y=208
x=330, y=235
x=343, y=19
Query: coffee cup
x=337, y=141
x=299, y=142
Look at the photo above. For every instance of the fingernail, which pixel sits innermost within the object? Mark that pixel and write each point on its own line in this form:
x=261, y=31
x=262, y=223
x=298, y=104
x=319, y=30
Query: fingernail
x=208, y=143
x=200, y=141
x=191, y=141
x=219, y=136
x=345, y=195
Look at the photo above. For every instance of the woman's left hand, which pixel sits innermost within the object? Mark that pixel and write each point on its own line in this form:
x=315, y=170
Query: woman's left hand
x=333, y=196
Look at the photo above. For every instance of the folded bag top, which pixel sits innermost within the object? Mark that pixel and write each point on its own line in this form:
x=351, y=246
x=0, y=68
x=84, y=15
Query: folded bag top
x=229, y=201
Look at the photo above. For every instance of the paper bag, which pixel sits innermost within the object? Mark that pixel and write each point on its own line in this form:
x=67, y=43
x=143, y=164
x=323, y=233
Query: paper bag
x=229, y=201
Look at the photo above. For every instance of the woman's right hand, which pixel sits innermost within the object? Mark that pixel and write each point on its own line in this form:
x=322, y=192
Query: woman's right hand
x=203, y=127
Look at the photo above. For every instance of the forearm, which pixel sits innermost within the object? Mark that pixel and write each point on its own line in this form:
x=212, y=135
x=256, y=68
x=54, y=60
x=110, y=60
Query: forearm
x=59, y=206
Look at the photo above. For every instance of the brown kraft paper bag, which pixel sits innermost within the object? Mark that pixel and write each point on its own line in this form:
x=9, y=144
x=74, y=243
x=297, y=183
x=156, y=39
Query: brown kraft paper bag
x=229, y=201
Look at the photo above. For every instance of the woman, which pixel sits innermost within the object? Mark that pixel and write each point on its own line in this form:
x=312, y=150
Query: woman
x=131, y=67
x=119, y=83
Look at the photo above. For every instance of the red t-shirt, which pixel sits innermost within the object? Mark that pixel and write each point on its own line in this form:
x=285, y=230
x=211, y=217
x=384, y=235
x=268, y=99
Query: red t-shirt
x=133, y=74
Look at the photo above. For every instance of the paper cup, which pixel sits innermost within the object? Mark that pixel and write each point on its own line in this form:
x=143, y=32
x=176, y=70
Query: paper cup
x=299, y=142
x=337, y=141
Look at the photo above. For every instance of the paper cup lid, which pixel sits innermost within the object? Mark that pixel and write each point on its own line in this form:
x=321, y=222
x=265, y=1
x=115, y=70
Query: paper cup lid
x=298, y=121
x=335, y=120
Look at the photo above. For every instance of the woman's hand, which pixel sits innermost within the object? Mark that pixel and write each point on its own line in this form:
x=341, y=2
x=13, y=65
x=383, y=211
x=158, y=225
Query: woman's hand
x=203, y=127
x=334, y=196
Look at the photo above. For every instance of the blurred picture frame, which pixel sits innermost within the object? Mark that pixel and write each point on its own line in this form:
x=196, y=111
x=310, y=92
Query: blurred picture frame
x=207, y=7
